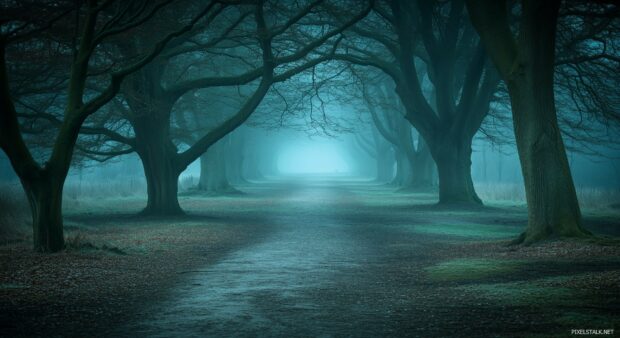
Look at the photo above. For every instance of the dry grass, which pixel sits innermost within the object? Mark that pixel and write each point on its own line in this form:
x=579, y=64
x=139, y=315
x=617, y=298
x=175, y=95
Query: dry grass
x=188, y=182
x=504, y=192
x=589, y=197
x=76, y=190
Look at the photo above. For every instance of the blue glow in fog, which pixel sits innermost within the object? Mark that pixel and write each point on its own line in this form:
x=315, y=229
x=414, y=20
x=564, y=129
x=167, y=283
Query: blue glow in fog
x=312, y=157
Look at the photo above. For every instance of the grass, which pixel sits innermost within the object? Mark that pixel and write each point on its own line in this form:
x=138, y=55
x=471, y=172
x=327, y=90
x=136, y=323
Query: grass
x=471, y=269
x=593, y=198
x=79, y=242
x=476, y=231
x=99, y=223
x=525, y=293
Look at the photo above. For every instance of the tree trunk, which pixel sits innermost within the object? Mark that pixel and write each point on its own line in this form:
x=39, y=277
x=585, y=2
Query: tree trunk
x=157, y=154
x=213, y=177
x=45, y=199
x=406, y=174
x=553, y=209
x=162, y=181
x=423, y=167
x=385, y=166
x=399, y=168
x=453, y=159
x=235, y=170
x=235, y=158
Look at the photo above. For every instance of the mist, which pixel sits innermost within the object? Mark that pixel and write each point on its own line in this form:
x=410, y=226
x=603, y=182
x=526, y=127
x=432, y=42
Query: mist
x=278, y=168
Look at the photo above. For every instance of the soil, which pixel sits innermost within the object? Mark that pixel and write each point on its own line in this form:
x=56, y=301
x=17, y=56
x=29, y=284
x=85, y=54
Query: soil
x=314, y=258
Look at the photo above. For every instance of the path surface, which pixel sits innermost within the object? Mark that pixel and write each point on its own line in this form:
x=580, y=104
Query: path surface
x=315, y=274
x=329, y=266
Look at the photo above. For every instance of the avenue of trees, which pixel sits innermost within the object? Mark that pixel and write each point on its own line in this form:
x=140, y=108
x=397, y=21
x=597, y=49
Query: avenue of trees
x=176, y=81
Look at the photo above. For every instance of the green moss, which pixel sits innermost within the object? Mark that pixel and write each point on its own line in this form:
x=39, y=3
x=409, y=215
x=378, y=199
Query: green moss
x=469, y=230
x=467, y=269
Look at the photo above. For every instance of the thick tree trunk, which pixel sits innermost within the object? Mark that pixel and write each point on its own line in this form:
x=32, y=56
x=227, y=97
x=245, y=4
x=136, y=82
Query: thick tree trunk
x=397, y=179
x=45, y=199
x=235, y=171
x=423, y=167
x=405, y=174
x=235, y=158
x=385, y=166
x=157, y=154
x=453, y=159
x=553, y=209
x=162, y=181
x=213, y=178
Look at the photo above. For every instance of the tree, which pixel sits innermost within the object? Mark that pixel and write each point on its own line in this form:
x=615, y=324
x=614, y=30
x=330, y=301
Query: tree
x=526, y=64
x=414, y=164
x=401, y=39
x=151, y=96
x=43, y=183
x=223, y=160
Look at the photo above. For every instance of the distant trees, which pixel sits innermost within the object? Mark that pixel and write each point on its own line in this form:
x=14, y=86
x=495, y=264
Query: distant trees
x=151, y=97
x=109, y=86
x=431, y=43
x=414, y=164
x=236, y=50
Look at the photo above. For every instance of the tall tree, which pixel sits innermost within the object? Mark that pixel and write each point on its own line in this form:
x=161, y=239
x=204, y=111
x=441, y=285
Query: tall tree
x=526, y=64
x=43, y=183
x=405, y=40
x=151, y=96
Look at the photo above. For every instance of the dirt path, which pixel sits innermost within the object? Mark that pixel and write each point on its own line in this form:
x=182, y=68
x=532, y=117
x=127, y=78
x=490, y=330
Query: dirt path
x=332, y=266
x=278, y=286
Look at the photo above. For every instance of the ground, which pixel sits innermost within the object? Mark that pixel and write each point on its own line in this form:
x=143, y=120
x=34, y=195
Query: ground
x=309, y=258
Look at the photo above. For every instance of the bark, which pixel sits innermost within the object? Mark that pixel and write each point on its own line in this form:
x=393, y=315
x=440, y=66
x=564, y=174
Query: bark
x=420, y=161
x=383, y=156
x=423, y=167
x=453, y=158
x=404, y=177
x=236, y=157
x=552, y=201
x=45, y=199
x=213, y=178
x=527, y=68
x=158, y=156
x=235, y=170
x=385, y=167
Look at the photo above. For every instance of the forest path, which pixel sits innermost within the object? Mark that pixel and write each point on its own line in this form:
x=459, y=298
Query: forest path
x=324, y=270
x=333, y=258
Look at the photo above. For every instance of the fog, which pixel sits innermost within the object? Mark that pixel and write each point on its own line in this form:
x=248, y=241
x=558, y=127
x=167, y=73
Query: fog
x=309, y=168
